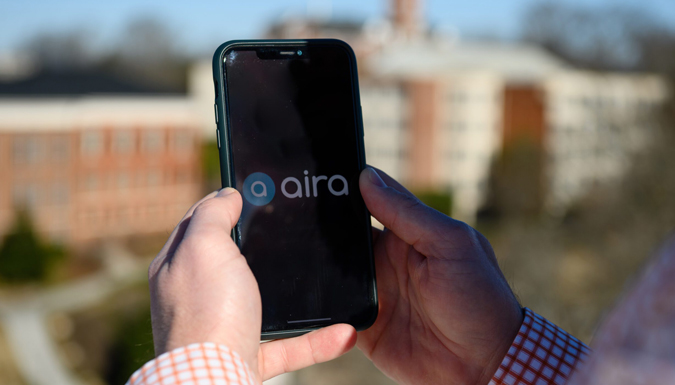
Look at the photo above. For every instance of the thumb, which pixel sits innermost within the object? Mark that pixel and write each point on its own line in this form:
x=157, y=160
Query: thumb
x=216, y=216
x=406, y=216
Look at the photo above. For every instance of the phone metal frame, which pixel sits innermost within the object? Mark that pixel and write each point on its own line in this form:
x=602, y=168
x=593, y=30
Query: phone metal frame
x=226, y=161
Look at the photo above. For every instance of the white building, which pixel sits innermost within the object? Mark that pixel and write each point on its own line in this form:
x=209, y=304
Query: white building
x=385, y=120
x=588, y=123
x=596, y=122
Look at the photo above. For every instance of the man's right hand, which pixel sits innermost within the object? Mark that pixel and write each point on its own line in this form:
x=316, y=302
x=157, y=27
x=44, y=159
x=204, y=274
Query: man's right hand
x=447, y=314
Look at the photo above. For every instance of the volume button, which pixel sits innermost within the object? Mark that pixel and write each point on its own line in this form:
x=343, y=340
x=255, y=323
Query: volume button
x=363, y=129
x=218, y=136
x=215, y=110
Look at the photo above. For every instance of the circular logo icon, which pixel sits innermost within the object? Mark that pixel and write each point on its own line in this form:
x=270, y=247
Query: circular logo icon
x=258, y=189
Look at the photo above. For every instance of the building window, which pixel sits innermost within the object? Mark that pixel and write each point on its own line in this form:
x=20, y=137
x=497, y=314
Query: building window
x=25, y=196
x=123, y=181
x=90, y=216
x=153, y=141
x=456, y=155
x=154, y=178
x=59, y=193
x=140, y=179
x=459, y=97
x=182, y=176
x=124, y=215
x=182, y=141
x=60, y=149
x=123, y=142
x=92, y=143
x=482, y=186
x=90, y=182
x=27, y=150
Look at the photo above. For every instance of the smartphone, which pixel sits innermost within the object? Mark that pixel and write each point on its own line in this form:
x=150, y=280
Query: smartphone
x=290, y=136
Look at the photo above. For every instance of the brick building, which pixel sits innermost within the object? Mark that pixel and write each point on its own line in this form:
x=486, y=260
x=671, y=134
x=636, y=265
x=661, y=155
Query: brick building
x=91, y=158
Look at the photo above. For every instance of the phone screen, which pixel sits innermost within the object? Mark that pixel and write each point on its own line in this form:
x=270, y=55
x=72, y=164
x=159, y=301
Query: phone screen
x=296, y=158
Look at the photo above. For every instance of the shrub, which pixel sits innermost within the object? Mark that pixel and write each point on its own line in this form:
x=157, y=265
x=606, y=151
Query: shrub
x=24, y=257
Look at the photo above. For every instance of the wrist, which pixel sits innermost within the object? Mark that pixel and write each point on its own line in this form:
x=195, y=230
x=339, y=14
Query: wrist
x=514, y=322
x=243, y=349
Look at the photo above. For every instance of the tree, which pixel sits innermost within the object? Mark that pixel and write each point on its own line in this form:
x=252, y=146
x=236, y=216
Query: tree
x=147, y=54
x=62, y=51
x=516, y=185
x=600, y=38
x=23, y=256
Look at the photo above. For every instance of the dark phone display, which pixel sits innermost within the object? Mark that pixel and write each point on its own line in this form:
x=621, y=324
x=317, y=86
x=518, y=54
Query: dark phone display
x=296, y=160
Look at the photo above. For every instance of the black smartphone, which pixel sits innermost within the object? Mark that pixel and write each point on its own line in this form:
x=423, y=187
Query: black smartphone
x=290, y=136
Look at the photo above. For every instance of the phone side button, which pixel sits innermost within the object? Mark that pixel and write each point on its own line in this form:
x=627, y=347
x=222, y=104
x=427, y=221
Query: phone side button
x=363, y=129
x=218, y=136
x=215, y=110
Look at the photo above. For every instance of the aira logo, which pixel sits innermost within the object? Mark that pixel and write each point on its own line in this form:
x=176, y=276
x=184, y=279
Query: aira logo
x=259, y=188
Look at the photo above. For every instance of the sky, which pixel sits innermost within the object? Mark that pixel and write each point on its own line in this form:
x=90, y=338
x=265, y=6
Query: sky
x=200, y=26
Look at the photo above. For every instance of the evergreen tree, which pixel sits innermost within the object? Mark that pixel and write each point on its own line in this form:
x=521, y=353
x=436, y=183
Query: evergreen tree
x=23, y=256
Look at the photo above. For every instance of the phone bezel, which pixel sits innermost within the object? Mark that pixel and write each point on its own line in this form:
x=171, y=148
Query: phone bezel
x=226, y=161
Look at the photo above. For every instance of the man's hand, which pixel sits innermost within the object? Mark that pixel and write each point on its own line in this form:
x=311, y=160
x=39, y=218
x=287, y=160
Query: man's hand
x=202, y=290
x=447, y=314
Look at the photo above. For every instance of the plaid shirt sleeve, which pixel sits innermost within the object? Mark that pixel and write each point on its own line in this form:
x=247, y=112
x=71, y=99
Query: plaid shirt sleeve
x=196, y=364
x=541, y=354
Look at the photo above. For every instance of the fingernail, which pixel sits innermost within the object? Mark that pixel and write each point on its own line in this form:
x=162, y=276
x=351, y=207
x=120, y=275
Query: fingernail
x=226, y=191
x=374, y=178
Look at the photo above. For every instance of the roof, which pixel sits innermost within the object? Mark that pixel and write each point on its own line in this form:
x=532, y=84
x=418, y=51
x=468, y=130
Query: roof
x=432, y=57
x=67, y=113
x=74, y=83
x=296, y=28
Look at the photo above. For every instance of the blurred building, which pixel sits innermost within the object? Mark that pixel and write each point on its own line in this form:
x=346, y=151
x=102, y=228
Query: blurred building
x=439, y=111
x=594, y=123
x=93, y=158
x=468, y=101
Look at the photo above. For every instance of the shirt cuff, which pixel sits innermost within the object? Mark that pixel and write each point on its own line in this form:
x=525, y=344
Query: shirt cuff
x=196, y=364
x=541, y=354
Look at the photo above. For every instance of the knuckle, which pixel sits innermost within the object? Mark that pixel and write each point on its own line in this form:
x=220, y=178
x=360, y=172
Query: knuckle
x=464, y=229
x=465, y=236
x=456, y=235
x=207, y=208
x=411, y=202
x=408, y=204
x=155, y=266
x=152, y=269
x=194, y=245
x=155, y=273
x=201, y=247
x=215, y=211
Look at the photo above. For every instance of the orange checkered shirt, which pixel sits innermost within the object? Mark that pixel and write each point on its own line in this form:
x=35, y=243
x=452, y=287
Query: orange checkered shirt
x=196, y=364
x=541, y=354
